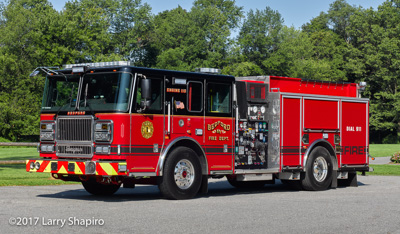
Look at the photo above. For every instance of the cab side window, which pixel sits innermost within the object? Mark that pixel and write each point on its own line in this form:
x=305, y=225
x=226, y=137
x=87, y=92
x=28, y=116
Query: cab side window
x=194, y=96
x=218, y=98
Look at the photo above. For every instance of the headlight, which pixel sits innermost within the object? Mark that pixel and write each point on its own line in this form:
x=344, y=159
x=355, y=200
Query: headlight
x=103, y=131
x=103, y=126
x=47, y=126
x=263, y=109
x=102, y=136
x=47, y=136
x=47, y=131
x=47, y=148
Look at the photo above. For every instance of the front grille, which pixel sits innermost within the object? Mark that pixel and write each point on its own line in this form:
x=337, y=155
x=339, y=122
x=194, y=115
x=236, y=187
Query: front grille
x=75, y=150
x=74, y=128
x=74, y=136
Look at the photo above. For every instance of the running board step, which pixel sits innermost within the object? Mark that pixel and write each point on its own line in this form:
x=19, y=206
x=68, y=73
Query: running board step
x=254, y=177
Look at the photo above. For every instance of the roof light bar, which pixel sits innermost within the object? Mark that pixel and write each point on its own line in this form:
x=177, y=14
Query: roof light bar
x=208, y=70
x=100, y=64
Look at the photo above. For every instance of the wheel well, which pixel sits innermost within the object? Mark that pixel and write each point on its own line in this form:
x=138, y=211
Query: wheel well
x=328, y=147
x=196, y=148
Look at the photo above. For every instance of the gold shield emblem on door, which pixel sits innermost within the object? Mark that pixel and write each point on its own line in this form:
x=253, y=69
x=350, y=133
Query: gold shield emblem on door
x=147, y=129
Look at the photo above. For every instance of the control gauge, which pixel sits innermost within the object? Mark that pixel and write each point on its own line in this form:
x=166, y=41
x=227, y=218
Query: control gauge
x=263, y=109
x=254, y=109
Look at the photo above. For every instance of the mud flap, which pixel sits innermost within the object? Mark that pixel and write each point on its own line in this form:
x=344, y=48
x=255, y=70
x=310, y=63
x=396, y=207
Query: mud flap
x=353, y=179
x=334, y=183
x=350, y=181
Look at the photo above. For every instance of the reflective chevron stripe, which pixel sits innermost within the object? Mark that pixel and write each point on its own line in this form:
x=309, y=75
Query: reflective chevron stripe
x=75, y=168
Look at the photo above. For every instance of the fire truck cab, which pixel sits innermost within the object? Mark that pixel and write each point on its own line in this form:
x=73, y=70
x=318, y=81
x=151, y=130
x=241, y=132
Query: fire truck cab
x=112, y=124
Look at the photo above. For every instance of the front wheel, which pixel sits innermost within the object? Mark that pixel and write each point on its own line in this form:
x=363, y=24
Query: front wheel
x=182, y=174
x=318, y=170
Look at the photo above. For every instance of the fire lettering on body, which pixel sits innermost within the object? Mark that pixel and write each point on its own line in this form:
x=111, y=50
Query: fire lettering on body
x=212, y=126
x=212, y=138
x=213, y=129
x=174, y=90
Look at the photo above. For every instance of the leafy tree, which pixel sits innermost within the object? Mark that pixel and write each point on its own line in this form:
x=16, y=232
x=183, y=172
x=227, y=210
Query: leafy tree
x=215, y=19
x=259, y=35
x=185, y=40
x=339, y=15
x=375, y=58
x=175, y=40
x=243, y=69
x=25, y=43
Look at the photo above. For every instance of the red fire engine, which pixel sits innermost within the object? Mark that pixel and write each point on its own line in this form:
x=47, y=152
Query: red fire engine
x=107, y=124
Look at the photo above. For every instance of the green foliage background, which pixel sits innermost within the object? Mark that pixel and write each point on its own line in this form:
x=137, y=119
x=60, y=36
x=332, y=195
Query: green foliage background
x=347, y=43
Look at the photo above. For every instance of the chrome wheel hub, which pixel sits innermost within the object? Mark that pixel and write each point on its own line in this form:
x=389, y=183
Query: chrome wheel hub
x=184, y=174
x=320, y=169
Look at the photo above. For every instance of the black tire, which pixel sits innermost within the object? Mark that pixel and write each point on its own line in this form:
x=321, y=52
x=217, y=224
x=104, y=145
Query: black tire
x=319, y=169
x=98, y=189
x=246, y=184
x=181, y=175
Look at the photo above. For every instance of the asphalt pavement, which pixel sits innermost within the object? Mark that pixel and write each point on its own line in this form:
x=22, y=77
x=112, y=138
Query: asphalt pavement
x=372, y=207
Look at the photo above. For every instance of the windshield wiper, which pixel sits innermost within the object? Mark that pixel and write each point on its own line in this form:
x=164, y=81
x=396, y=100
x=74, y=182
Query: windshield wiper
x=70, y=102
x=86, y=102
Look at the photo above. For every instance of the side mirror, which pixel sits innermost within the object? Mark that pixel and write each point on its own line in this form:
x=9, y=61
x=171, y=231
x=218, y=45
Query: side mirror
x=146, y=89
x=146, y=93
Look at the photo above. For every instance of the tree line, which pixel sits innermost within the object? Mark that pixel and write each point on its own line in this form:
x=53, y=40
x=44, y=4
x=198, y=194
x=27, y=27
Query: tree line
x=347, y=43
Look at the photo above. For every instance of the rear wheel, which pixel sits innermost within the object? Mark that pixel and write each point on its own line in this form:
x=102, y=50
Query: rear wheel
x=99, y=189
x=318, y=170
x=182, y=174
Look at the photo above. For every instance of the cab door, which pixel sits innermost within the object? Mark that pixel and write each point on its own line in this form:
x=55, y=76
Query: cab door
x=185, y=114
x=147, y=126
x=219, y=124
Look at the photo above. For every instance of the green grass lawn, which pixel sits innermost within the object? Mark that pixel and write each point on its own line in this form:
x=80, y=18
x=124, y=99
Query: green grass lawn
x=18, y=153
x=385, y=170
x=383, y=150
x=15, y=175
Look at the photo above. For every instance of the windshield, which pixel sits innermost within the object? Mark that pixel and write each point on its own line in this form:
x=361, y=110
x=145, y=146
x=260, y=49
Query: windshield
x=105, y=91
x=99, y=92
x=60, y=93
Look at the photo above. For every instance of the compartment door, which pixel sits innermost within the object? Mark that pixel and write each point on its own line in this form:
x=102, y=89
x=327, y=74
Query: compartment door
x=291, y=131
x=354, y=133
